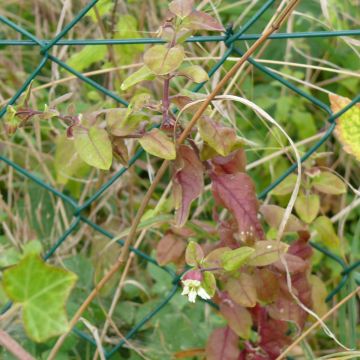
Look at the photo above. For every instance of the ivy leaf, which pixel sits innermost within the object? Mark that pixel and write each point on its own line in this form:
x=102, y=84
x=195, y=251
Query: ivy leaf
x=274, y=214
x=42, y=291
x=162, y=60
x=307, y=207
x=144, y=73
x=199, y=20
x=188, y=182
x=157, y=143
x=195, y=73
x=233, y=259
x=238, y=319
x=170, y=249
x=222, y=345
x=220, y=138
x=93, y=146
x=193, y=254
x=181, y=8
x=236, y=192
x=347, y=125
x=267, y=252
x=328, y=183
x=242, y=290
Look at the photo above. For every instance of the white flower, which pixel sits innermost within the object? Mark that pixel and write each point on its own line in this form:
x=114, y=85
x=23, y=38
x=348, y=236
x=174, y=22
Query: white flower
x=193, y=288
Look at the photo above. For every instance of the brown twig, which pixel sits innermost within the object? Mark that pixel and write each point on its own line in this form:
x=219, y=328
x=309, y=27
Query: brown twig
x=130, y=238
x=13, y=346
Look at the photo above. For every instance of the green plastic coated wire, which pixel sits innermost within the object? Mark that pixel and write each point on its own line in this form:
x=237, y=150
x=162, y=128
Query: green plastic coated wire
x=229, y=39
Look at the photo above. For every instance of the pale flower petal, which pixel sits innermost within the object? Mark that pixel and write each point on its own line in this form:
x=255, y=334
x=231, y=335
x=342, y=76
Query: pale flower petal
x=186, y=290
x=203, y=294
x=192, y=295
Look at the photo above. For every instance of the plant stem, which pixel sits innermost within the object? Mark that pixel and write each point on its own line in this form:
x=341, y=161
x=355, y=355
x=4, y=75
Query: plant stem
x=166, y=102
x=11, y=345
x=130, y=238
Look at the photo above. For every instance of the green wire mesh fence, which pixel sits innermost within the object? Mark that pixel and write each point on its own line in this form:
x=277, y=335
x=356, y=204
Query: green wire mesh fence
x=229, y=38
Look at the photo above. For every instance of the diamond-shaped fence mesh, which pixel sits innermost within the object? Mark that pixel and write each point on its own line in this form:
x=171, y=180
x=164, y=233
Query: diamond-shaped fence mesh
x=229, y=38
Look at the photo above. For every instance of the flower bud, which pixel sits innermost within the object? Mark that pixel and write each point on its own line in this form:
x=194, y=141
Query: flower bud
x=193, y=275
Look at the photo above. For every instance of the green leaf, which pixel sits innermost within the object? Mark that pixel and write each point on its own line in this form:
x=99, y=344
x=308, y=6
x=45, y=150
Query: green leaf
x=127, y=28
x=319, y=293
x=87, y=56
x=267, y=252
x=213, y=259
x=121, y=121
x=144, y=73
x=286, y=186
x=232, y=260
x=347, y=125
x=307, y=207
x=195, y=73
x=274, y=214
x=193, y=254
x=94, y=147
x=42, y=291
x=67, y=161
x=157, y=143
x=328, y=183
x=326, y=232
x=222, y=139
x=32, y=247
x=209, y=283
x=11, y=121
x=162, y=60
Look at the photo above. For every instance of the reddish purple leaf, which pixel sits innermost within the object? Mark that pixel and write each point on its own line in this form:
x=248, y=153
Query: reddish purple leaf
x=285, y=307
x=227, y=230
x=267, y=285
x=273, y=336
x=301, y=246
x=242, y=290
x=170, y=249
x=199, y=20
x=188, y=182
x=233, y=163
x=294, y=263
x=236, y=192
x=222, y=345
x=238, y=318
